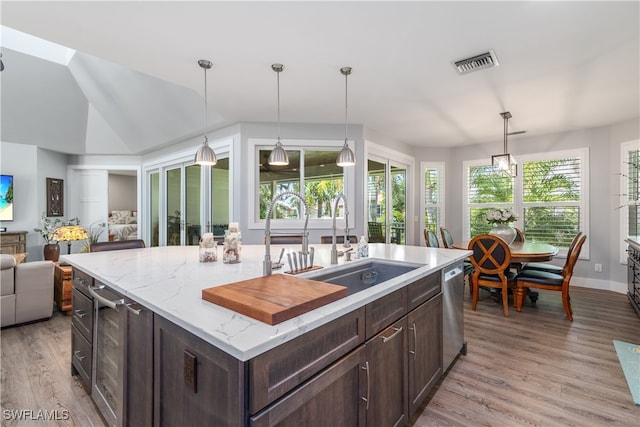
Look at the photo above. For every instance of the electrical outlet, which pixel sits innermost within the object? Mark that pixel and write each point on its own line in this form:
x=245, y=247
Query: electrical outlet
x=598, y=268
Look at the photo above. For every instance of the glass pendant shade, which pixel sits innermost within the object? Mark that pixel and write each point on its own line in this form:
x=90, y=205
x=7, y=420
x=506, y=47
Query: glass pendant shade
x=205, y=155
x=505, y=164
x=278, y=156
x=346, y=156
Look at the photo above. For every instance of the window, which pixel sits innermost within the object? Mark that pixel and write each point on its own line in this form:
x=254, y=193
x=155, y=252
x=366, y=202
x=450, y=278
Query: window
x=312, y=172
x=549, y=196
x=433, y=200
x=629, y=194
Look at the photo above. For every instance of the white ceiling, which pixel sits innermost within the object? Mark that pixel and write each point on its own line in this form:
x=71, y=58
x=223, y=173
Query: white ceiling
x=563, y=66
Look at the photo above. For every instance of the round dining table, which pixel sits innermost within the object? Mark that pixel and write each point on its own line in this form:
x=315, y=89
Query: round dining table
x=523, y=251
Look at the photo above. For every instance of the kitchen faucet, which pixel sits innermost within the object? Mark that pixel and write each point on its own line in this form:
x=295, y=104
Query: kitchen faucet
x=266, y=265
x=334, y=250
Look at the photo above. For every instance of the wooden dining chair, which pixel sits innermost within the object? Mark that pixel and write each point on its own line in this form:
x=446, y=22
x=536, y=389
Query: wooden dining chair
x=447, y=242
x=116, y=245
x=286, y=239
x=375, y=232
x=447, y=238
x=552, y=268
x=339, y=239
x=491, y=259
x=519, y=235
x=431, y=239
x=550, y=281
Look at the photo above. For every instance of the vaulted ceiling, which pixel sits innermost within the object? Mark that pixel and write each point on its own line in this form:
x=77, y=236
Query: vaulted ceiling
x=132, y=83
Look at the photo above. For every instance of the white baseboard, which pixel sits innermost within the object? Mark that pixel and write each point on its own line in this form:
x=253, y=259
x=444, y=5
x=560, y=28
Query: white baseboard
x=607, y=285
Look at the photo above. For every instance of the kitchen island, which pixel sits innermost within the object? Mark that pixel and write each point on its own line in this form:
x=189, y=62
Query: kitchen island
x=245, y=372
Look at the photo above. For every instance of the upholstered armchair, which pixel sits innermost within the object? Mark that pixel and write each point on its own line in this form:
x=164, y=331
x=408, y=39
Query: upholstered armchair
x=27, y=290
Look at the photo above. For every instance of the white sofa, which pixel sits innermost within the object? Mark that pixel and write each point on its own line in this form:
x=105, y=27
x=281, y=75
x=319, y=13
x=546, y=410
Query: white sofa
x=27, y=290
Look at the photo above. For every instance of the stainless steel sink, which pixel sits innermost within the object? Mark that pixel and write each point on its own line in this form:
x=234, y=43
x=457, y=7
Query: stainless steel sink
x=360, y=276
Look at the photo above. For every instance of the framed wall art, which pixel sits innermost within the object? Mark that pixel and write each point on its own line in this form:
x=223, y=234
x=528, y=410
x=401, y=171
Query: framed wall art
x=55, y=197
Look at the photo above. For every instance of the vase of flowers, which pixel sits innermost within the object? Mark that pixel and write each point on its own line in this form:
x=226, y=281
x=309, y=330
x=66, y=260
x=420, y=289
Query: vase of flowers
x=501, y=220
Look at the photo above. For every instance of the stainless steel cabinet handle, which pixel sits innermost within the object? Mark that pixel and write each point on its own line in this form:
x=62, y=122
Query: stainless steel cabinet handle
x=102, y=300
x=415, y=339
x=134, y=308
x=80, y=313
x=397, y=331
x=366, y=399
x=79, y=355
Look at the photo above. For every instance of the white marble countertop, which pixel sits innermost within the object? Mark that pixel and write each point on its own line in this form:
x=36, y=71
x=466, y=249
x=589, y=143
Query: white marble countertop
x=169, y=281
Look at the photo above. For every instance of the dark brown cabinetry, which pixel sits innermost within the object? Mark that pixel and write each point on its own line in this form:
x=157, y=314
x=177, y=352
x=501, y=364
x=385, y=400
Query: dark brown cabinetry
x=329, y=399
x=425, y=350
x=386, y=368
x=82, y=328
x=373, y=366
x=633, y=275
x=194, y=382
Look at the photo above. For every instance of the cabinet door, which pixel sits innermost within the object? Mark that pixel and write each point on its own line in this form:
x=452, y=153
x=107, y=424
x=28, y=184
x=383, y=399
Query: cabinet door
x=194, y=383
x=332, y=398
x=386, y=368
x=425, y=350
x=138, y=406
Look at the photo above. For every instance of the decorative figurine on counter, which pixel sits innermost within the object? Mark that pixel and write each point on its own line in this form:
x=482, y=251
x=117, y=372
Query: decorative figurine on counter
x=232, y=244
x=208, y=248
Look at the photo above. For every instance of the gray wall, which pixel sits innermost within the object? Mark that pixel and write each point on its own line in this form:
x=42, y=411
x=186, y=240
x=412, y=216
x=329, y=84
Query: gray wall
x=30, y=166
x=123, y=193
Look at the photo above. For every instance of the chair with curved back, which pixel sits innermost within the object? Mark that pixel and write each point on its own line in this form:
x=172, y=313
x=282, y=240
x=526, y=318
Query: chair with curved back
x=116, y=245
x=447, y=238
x=491, y=259
x=431, y=239
x=519, y=235
x=286, y=239
x=447, y=241
x=552, y=268
x=550, y=281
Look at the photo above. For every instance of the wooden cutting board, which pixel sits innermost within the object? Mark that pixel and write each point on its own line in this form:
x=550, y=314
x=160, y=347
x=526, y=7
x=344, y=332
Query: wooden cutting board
x=274, y=299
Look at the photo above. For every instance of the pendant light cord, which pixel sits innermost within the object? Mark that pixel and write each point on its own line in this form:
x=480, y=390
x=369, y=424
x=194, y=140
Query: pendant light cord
x=205, y=105
x=506, y=130
x=278, y=89
x=346, y=92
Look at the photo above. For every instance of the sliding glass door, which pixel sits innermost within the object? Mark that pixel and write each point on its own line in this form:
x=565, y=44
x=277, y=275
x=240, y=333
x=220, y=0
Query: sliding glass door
x=386, y=201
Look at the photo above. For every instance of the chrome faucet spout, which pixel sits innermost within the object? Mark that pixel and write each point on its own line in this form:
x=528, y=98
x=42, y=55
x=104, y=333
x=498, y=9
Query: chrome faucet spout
x=266, y=265
x=346, y=243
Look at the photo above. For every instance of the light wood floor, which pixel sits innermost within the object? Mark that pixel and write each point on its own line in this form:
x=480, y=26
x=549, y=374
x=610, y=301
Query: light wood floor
x=533, y=368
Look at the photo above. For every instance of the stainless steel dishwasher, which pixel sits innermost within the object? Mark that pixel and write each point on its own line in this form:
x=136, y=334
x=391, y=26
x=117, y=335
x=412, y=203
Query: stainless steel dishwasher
x=453, y=342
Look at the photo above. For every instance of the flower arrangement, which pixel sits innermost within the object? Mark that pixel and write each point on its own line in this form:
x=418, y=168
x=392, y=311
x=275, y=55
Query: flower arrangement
x=49, y=226
x=501, y=216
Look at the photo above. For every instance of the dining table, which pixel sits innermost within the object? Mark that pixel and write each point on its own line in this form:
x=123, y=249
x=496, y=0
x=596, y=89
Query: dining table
x=523, y=251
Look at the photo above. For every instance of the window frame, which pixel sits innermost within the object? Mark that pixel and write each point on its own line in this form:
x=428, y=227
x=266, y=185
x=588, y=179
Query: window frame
x=253, y=205
x=625, y=148
x=441, y=168
x=518, y=198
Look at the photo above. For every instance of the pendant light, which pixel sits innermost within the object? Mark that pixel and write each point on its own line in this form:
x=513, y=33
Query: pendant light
x=278, y=156
x=205, y=155
x=505, y=163
x=345, y=156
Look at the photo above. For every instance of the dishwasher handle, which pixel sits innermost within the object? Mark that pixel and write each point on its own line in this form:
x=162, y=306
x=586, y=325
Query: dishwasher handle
x=111, y=304
x=454, y=272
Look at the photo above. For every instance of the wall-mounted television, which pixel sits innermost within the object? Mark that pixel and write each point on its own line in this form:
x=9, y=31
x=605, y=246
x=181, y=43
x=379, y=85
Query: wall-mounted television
x=6, y=197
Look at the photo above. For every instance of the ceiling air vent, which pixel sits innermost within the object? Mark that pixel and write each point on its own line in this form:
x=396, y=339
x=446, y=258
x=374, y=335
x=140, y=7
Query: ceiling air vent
x=478, y=62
